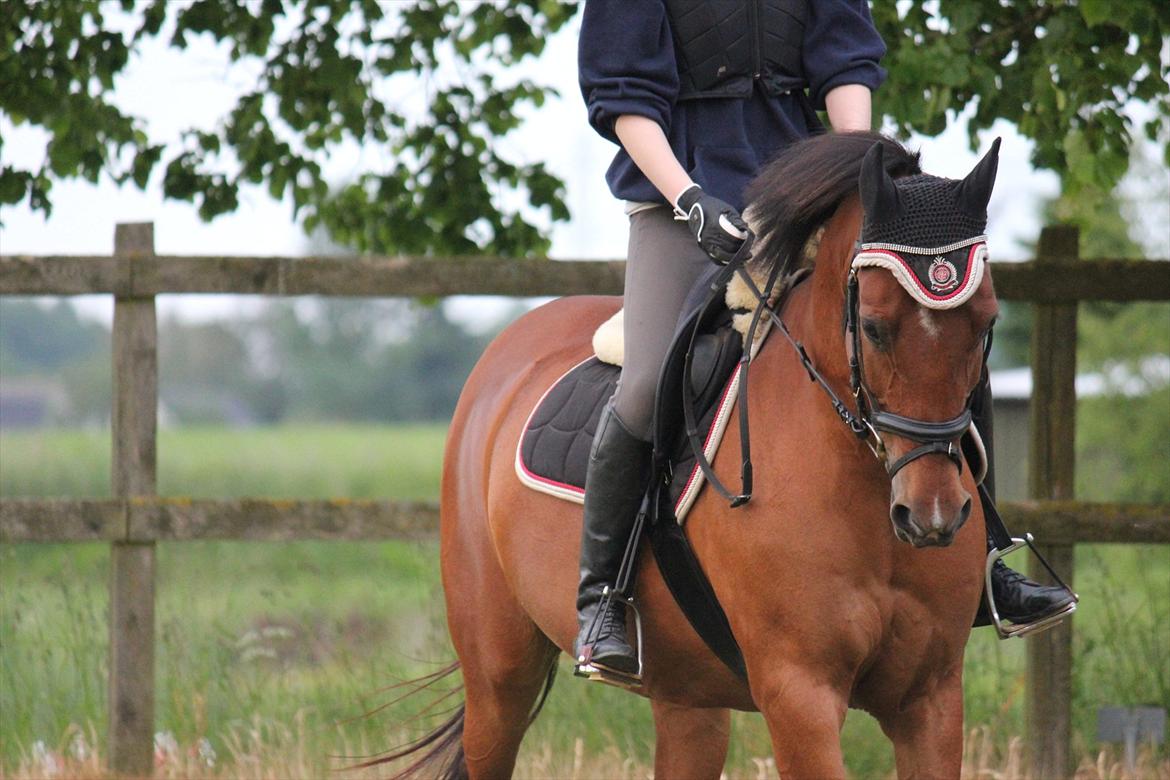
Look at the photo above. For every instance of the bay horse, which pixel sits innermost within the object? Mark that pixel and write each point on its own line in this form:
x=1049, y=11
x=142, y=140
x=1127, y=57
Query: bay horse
x=830, y=608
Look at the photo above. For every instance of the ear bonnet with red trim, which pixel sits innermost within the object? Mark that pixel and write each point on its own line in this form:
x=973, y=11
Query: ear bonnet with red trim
x=926, y=230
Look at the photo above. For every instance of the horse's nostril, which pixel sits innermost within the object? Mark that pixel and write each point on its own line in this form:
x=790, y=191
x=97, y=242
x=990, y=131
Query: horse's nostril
x=964, y=513
x=900, y=514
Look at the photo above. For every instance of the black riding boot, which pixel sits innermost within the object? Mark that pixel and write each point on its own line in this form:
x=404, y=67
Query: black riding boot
x=1017, y=598
x=615, y=482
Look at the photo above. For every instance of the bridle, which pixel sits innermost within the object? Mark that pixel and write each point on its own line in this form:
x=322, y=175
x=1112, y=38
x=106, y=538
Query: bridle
x=933, y=437
x=867, y=420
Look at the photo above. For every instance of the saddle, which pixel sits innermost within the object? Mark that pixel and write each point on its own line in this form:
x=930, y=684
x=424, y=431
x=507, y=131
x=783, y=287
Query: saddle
x=697, y=389
x=553, y=452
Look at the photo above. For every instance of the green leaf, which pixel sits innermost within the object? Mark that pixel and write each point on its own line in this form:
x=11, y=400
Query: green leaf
x=317, y=74
x=1096, y=12
x=13, y=184
x=144, y=163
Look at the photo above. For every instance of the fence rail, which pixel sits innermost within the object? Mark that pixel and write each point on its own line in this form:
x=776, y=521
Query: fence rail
x=135, y=519
x=1087, y=280
x=159, y=519
x=150, y=519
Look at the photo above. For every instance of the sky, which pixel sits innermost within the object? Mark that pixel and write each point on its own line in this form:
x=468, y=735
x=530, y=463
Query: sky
x=172, y=90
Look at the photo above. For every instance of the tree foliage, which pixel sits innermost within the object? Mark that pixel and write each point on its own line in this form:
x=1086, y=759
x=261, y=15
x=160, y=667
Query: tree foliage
x=34, y=339
x=367, y=360
x=1064, y=72
x=1123, y=431
x=330, y=72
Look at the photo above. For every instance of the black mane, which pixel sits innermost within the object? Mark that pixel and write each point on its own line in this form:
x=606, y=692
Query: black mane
x=800, y=189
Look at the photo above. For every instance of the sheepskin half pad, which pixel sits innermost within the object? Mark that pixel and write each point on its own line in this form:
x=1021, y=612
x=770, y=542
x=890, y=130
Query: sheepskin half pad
x=609, y=338
x=553, y=451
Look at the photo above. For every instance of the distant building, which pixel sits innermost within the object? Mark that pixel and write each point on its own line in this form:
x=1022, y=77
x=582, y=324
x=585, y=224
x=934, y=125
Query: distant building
x=1012, y=390
x=30, y=402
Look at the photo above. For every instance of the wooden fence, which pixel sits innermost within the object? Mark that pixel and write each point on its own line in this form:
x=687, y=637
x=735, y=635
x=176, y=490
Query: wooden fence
x=135, y=519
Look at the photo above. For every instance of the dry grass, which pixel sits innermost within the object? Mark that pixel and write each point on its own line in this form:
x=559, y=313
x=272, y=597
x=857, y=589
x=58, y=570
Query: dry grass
x=263, y=750
x=260, y=750
x=987, y=758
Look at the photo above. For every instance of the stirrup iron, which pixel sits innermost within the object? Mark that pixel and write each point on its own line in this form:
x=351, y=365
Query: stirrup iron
x=1007, y=630
x=600, y=672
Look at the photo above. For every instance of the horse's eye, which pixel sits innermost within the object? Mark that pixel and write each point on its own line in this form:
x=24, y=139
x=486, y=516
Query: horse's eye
x=875, y=333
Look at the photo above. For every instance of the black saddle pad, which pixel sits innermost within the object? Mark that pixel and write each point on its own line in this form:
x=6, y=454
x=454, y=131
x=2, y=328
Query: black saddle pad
x=554, y=449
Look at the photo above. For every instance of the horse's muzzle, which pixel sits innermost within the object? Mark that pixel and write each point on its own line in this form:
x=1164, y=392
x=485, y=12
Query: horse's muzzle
x=934, y=528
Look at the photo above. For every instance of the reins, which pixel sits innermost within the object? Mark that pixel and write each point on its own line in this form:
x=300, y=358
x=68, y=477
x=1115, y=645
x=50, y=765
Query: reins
x=718, y=286
x=867, y=420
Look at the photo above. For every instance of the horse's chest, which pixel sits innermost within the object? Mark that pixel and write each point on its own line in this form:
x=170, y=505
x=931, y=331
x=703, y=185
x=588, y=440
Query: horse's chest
x=911, y=654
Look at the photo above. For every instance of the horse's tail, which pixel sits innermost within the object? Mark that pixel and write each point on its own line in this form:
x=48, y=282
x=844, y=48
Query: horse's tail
x=443, y=758
x=437, y=754
x=442, y=749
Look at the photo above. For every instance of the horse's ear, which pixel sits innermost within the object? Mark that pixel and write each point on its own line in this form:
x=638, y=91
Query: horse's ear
x=879, y=196
x=975, y=190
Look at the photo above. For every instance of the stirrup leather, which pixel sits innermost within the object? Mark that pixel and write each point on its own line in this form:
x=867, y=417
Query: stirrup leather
x=585, y=667
x=1008, y=630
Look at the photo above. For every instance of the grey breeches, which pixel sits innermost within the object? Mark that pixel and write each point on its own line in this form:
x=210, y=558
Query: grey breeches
x=662, y=264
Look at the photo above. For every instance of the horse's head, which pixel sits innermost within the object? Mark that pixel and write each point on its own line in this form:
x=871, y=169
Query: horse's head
x=920, y=307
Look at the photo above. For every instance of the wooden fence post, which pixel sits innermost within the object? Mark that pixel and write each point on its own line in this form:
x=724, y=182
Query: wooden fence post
x=1050, y=476
x=135, y=386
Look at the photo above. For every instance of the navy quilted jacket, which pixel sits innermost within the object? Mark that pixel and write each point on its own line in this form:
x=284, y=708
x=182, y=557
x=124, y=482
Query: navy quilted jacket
x=626, y=65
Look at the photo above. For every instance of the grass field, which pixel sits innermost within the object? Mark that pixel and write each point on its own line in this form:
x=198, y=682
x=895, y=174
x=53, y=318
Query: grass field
x=268, y=655
x=306, y=461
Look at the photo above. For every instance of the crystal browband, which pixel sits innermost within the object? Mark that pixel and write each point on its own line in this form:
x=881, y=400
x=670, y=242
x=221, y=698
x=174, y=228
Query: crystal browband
x=917, y=250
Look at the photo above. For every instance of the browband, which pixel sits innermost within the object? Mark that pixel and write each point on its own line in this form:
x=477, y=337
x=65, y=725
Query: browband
x=940, y=278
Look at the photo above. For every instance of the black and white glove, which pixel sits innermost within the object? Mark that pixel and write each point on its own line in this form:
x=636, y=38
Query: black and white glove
x=717, y=226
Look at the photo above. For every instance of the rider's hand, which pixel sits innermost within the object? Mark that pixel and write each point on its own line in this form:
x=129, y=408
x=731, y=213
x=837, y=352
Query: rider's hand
x=717, y=226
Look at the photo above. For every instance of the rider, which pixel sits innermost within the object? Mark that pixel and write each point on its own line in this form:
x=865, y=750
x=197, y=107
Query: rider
x=699, y=94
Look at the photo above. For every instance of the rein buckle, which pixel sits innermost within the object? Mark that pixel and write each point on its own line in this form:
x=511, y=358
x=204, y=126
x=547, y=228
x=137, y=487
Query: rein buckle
x=876, y=444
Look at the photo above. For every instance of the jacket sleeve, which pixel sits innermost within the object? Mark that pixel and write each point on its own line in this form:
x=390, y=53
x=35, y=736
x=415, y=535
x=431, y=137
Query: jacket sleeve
x=625, y=63
x=841, y=46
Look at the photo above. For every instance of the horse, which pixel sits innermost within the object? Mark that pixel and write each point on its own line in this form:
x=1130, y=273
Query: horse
x=830, y=608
